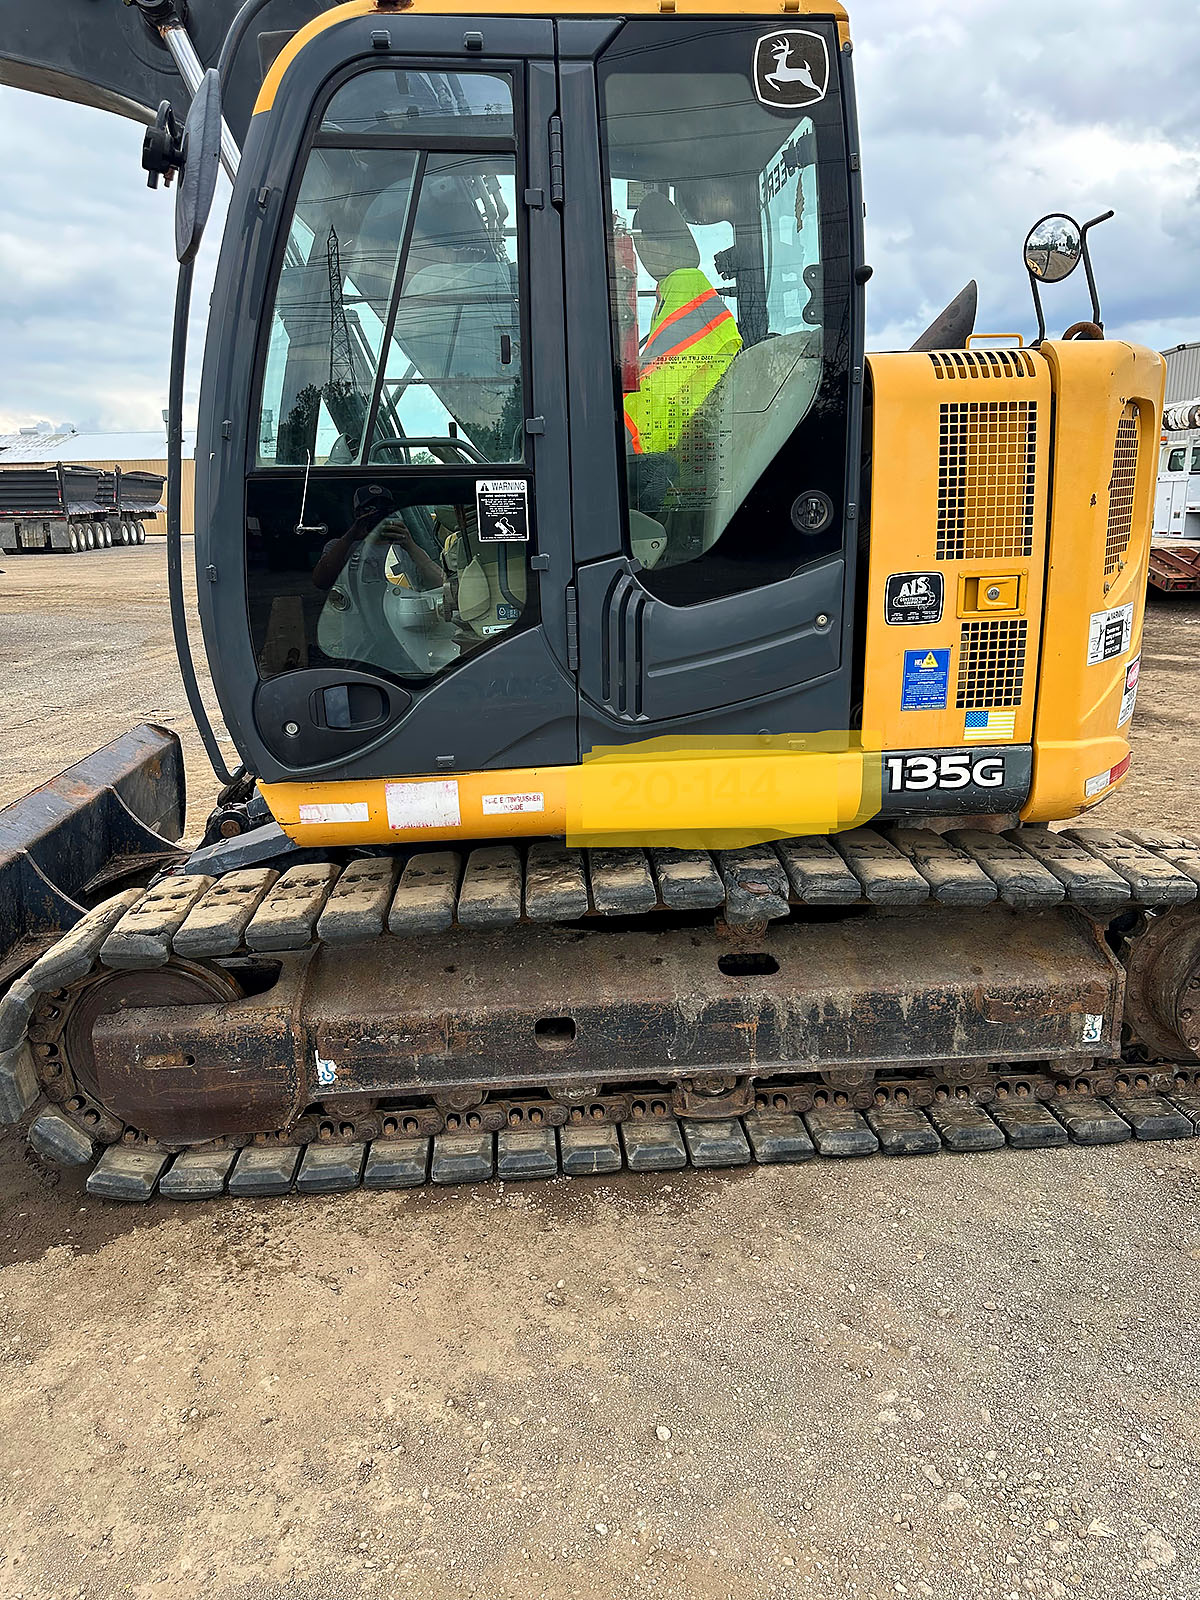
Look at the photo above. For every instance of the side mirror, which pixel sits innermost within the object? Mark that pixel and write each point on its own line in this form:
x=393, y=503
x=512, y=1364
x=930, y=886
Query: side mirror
x=1053, y=249
x=200, y=155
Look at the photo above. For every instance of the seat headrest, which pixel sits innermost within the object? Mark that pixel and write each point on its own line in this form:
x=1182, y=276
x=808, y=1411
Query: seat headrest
x=662, y=238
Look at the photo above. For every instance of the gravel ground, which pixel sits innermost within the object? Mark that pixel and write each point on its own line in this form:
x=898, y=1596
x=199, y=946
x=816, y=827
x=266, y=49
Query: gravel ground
x=963, y=1376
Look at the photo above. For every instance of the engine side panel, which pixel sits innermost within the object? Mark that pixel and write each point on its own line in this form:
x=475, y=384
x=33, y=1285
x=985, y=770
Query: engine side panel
x=960, y=476
x=1108, y=402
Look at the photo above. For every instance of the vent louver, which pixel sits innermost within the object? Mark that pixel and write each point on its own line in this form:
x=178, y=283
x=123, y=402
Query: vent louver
x=1121, y=487
x=991, y=663
x=982, y=363
x=987, y=461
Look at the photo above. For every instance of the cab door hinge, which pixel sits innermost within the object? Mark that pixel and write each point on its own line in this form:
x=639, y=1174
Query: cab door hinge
x=556, y=160
x=572, y=629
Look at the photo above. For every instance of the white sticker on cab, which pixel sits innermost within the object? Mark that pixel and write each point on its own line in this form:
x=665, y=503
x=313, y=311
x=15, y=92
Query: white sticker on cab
x=504, y=804
x=423, y=805
x=335, y=811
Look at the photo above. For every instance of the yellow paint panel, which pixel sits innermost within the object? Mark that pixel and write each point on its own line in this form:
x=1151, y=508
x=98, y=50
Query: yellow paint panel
x=960, y=454
x=564, y=8
x=709, y=794
x=1108, y=408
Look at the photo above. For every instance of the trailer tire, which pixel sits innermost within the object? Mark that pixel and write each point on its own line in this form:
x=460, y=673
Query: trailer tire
x=89, y=535
x=108, y=535
x=73, y=540
x=141, y=533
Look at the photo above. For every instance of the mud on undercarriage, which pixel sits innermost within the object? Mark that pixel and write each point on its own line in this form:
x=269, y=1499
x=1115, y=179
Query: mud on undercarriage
x=568, y=1011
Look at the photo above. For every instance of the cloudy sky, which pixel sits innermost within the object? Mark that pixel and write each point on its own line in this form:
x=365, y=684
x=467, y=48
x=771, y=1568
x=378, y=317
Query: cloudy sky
x=977, y=117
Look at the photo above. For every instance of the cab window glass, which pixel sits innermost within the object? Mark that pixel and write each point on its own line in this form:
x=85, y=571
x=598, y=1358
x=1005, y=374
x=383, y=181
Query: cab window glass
x=395, y=332
x=1195, y=466
x=395, y=575
x=380, y=534
x=1176, y=459
x=728, y=274
x=451, y=103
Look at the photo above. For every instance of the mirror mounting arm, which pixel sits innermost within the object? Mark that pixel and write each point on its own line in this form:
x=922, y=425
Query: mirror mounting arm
x=1037, y=306
x=1087, y=265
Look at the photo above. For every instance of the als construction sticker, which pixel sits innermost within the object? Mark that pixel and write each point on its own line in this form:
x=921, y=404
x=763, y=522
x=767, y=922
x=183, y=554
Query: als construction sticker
x=423, y=805
x=926, y=680
x=502, y=506
x=914, y=597
x=1110, y=634
x=791, y=69
x=1129, y=693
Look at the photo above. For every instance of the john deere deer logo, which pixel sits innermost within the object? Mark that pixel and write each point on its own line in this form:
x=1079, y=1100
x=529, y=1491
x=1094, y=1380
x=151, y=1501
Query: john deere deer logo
x=791, y=69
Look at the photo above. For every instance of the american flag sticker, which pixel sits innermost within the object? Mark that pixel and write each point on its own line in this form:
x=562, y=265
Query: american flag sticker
x=985, y=727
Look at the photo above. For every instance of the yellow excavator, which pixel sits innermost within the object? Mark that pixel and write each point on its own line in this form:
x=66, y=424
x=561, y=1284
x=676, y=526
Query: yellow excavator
x=650, y=707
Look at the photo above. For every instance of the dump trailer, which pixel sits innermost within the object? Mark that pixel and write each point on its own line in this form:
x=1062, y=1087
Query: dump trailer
x=651, y=709
x=74, y=508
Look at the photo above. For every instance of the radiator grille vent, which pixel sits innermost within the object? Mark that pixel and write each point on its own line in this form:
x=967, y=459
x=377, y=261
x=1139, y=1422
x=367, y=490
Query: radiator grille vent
x=986, y=479
x=983, y=363
x=991, y=664
x=1120, y=488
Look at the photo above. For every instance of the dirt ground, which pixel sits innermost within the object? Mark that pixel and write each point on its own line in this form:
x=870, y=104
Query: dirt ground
x=965, y=1377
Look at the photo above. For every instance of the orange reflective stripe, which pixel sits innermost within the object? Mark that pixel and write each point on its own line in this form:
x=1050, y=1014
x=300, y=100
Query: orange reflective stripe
x=689, y=340
x=681, y=311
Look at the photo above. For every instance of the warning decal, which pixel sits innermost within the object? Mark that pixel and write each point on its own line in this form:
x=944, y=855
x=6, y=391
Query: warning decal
x=926, y=680
x=1110, y=633
x=502, y=507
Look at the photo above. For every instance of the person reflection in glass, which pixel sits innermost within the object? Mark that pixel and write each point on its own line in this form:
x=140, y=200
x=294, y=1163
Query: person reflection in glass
x=397, y=557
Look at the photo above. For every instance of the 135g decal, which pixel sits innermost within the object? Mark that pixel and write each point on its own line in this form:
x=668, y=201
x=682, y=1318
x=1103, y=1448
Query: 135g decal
x=952, y=771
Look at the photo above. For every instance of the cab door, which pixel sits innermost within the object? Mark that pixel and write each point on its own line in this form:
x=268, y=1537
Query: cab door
x=714, y=332
x=398, y=601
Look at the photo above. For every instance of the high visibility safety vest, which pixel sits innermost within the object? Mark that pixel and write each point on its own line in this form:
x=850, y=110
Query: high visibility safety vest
x=693, y=338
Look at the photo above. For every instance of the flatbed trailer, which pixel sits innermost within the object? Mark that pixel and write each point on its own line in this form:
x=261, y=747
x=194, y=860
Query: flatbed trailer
x=1175, y=569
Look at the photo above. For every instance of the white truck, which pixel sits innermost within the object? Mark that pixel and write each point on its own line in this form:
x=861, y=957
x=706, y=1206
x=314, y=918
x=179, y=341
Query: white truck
x=1175, y=551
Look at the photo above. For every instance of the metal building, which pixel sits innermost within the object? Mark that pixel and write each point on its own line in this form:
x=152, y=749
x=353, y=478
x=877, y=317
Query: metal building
x=132, y=452
x=1183, y=372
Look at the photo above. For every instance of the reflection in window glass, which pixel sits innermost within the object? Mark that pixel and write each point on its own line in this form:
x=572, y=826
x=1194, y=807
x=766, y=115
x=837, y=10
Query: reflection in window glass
x=1176, y=459
x=422, y=103
x=395, y=334
x=390, y=575
x=454, y=360
x=1195, y=466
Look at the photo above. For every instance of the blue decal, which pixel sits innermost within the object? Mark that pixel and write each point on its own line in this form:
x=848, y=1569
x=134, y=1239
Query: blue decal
x=926, y=680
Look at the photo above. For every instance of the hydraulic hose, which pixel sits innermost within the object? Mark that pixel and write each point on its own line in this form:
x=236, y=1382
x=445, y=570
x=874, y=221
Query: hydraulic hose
x=234, y=36
x=183, y=648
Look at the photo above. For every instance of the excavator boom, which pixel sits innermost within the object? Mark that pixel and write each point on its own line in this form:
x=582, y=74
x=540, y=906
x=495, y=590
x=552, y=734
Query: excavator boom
x=112, y=54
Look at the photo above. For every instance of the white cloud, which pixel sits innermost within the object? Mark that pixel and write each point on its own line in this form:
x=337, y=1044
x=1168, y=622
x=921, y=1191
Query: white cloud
x=975, y=120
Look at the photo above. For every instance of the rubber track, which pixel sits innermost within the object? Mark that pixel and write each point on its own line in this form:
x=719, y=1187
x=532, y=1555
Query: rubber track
x=261, y=910
x=135, y=1173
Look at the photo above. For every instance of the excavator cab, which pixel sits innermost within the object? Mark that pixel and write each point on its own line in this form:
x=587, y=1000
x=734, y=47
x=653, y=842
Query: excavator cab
x=578, y=296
